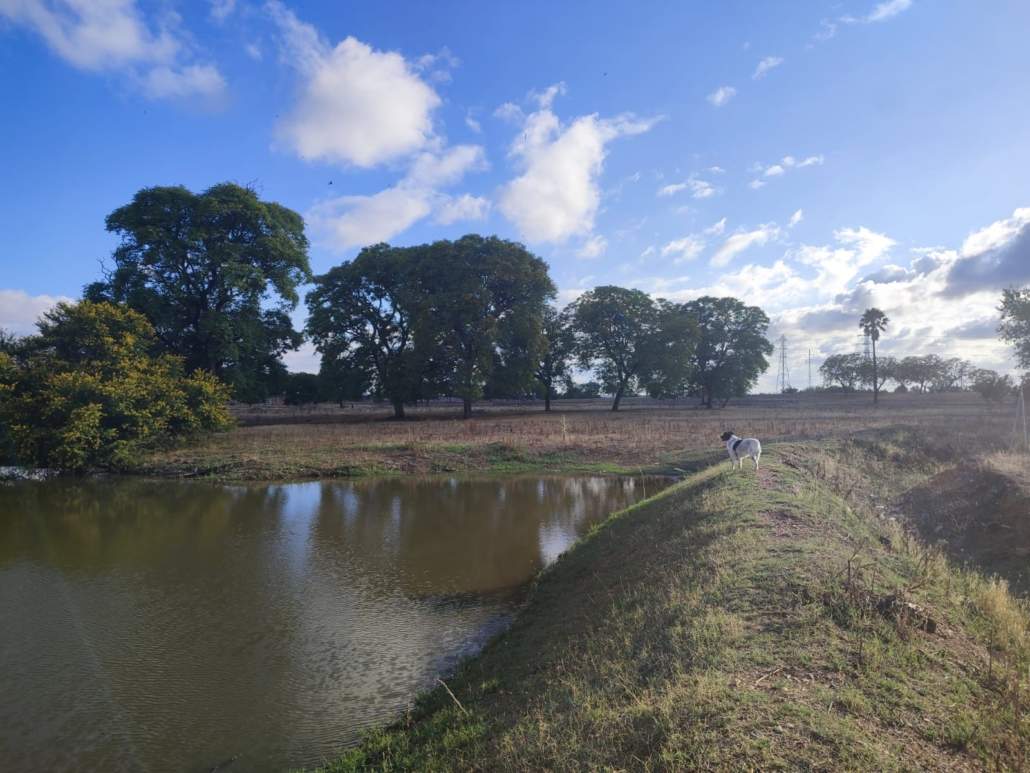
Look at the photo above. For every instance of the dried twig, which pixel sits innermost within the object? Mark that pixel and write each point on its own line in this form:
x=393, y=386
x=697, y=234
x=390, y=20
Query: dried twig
x=453, y=697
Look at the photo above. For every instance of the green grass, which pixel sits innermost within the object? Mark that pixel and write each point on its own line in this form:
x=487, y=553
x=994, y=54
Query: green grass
x=737, y=621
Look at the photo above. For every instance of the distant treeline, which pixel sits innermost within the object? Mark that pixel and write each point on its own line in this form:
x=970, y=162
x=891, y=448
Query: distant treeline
x=195, y=307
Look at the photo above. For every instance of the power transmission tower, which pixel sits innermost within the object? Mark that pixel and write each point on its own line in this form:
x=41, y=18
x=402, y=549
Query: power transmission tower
x=783, y=377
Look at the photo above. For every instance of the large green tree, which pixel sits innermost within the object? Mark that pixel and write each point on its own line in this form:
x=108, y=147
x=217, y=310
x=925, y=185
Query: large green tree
x=874, y=322
x=361, y=319
x=216, y=273
x=92, y=388
x=843, y=370
x=481, y=304
x=732, y=349
x=1015, y=322
x=632, y=341
x=556, y=353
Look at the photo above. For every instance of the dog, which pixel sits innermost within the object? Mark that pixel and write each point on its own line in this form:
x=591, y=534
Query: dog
x=738, y=448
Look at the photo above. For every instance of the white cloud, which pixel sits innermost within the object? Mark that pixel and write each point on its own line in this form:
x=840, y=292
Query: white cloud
x=721, y=95
x=19, y=311
x=253, y=50
x=784, y=165
x=796, y=218
x=756, y=184
x=357, y=221
x=510, y=112
x=222, y=9
x=464, y=207
x=740, y=241
x=557, y=195
x=472, y=123
x=114, y=36
x=767, y=64
x=701, y=189
x=687, y=248
x=870, y=245
x=716, y=229
x=716, y=170
x=881, y=12
x=193, y=80
x=669, y=190
x=594, y=247
x=357, y=105
x=996, y=234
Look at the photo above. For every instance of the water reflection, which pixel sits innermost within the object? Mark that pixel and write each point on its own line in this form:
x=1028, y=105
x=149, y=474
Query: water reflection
x=168, y=626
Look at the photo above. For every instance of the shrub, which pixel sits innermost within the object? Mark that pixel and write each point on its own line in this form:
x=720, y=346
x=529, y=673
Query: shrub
x=90, y=389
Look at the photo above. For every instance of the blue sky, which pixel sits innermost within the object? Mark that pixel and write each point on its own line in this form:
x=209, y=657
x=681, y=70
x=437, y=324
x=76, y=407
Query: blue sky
x=812, y=158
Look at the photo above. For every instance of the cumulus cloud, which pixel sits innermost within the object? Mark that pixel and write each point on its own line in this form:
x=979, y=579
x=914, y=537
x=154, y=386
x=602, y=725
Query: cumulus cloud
x=722, y=95
x=557, y=195
x=717, y=228
x=355, y=221
x=993, y=257
x=765, y=66
x=114, y=36
x=19, y=311
x=357, y=105
x=464, y=207
x=742, y=240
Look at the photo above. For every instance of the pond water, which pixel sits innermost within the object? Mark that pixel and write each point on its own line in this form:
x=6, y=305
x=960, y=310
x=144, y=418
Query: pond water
x=173, y=626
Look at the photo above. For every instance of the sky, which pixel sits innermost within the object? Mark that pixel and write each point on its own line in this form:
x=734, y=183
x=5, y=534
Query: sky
x=812, y=157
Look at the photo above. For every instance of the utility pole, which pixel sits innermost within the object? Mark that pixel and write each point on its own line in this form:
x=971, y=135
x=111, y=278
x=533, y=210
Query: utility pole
x=809, y=370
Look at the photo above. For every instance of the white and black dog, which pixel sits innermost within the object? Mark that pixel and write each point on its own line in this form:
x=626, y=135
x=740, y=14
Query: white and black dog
x=739, y=447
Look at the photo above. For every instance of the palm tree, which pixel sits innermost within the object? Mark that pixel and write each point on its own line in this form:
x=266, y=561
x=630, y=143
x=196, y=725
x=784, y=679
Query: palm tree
x=873, y=322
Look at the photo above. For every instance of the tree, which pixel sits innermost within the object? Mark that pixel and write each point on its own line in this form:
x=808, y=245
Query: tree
x=302, y=389
x=585, y=391
x=844, y=370
x=362, y=316
x=885, y=370
x=480, y=310
x=216, y=274
x=918, y=371
x=556, y=352
x=1015, y=322
x=631, y=341
x=90, y=390
x=873, y=323
x=992, y=386
x=732, y=348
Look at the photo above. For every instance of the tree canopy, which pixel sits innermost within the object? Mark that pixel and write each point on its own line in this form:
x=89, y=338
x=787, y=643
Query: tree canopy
x=732, y=349
x=1015, y=322
x=632, y=341
x=362, y=317
x=480, y=306
x=556, y=352
x=91, y=388
x=216, y=274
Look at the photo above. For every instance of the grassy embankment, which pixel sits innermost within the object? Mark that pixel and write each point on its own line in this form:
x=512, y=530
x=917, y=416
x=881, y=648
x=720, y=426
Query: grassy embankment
x=282, y=443
x=778, y=620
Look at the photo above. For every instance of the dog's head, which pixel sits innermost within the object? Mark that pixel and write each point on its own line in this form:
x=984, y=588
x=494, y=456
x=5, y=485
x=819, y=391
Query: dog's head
x=726, y=436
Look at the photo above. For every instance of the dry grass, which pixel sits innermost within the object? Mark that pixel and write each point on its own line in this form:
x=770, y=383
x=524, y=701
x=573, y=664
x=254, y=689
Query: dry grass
x=279, y=443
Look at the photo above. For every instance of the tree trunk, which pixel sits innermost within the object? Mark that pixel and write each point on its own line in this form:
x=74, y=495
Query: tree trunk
x=466, y=408
x=547, y=399
x=398, y=409
x=618, y=398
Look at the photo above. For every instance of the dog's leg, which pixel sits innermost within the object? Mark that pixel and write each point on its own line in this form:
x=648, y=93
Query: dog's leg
x=755, y=458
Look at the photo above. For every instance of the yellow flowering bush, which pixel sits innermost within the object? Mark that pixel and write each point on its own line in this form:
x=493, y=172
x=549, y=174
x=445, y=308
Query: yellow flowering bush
x=91, y=389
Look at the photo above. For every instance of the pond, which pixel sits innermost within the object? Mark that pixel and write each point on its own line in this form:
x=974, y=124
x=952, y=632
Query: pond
x=170, y=626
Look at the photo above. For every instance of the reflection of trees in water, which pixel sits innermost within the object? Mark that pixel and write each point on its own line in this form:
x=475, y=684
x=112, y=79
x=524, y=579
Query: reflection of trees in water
x=430, y=537
x=124, y=523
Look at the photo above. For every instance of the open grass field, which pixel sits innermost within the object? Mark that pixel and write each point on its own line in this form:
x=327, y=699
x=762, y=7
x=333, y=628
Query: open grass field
x=738, y=621
x=279, y=442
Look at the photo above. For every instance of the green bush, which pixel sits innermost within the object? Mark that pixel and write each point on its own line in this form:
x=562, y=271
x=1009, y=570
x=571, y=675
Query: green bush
x=90, y=389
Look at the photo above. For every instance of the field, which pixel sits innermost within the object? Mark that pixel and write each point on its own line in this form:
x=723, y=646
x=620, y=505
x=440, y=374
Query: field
x=281, y=443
